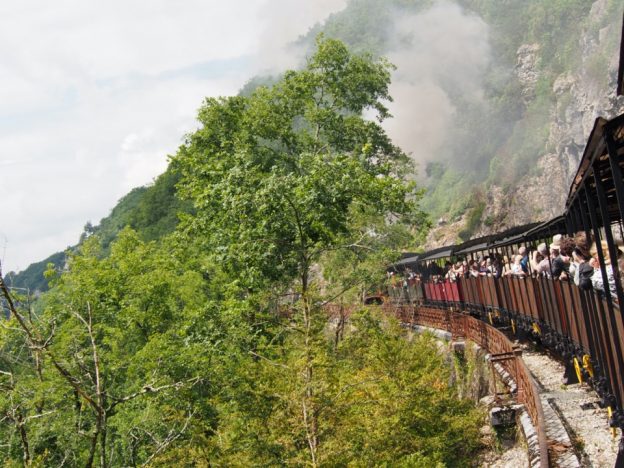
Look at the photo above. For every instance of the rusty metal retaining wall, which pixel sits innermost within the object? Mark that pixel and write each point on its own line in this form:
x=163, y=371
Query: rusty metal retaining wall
x=492, y=340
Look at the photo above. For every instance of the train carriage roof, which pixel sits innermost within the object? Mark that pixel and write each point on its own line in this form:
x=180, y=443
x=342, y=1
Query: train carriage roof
x=620, y=81
x=594, y=148
x=460, y=250
x=507, y=237
x=409, y=260
x=545, y=229
x=480, y=243
x=435, y=254
x=596, y=162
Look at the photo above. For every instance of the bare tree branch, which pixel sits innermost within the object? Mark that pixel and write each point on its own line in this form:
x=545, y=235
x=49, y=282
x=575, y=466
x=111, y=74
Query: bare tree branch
x=171, y=437
x=149, y=388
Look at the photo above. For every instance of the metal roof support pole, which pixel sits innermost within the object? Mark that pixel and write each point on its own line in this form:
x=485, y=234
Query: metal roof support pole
x=604, y=213
x=576, y=217
x=616, y=171
x=586, y=224
x=569, y=227
x=587, y=301
x=605, y=282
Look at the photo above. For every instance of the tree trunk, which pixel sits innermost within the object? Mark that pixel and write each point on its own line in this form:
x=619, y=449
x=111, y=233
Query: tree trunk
x=23, y=439
x=308, y=405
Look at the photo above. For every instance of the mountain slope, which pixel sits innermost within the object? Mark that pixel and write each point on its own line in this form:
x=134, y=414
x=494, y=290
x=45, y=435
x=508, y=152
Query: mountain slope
x=151, y=210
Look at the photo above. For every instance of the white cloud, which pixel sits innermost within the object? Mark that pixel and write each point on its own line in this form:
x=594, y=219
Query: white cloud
x=284, y=21
x=96, y=94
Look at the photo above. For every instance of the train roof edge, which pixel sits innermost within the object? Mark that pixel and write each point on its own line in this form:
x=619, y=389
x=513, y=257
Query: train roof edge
x=620, y=80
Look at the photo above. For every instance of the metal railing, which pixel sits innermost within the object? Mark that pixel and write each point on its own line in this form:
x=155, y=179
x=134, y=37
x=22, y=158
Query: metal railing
x=494, y=342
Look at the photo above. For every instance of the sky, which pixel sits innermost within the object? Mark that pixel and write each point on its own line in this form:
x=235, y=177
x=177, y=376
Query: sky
x=94, y=95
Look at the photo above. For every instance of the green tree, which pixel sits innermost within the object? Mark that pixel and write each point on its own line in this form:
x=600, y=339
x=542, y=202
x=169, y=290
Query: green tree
x=283, y=177
x=114, y=367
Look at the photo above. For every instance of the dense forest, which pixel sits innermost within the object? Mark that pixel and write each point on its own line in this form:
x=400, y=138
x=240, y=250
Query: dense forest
x=211, y=344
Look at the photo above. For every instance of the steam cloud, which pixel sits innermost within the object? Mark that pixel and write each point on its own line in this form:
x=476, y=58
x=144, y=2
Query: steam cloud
x=441, y=52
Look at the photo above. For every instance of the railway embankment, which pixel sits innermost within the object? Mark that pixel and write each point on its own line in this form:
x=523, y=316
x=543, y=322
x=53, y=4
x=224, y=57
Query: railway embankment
x=576, y=426
x=574, y=410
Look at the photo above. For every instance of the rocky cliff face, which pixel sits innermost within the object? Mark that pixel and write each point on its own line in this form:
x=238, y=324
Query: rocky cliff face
x=580, y=96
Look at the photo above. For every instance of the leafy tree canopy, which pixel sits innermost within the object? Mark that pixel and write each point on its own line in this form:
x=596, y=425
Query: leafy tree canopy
x=279, y=177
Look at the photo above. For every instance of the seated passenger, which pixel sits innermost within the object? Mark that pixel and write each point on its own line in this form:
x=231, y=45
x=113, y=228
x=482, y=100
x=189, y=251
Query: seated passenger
x=483, y=267
x=474, y=269
x=506, y=266
x=450, y=272
x=459, y=270
x=497, y=266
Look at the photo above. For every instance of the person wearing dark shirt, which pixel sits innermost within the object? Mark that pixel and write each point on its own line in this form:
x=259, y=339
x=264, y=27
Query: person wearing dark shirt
x=560, y=267
x=561, y=260
x=585, y=270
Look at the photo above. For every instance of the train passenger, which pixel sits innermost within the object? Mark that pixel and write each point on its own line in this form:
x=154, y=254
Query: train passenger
x=466, y=269
x=562, y=252
x=450, y=272
x=597, y=281
x=582, y=271
x=497, y=266
x=516, y=267
x=473, y=269
x=582, y=242
x=540, y=261
x=506, y=266
x=460, y=269
x=484, y=266
x=525, y=259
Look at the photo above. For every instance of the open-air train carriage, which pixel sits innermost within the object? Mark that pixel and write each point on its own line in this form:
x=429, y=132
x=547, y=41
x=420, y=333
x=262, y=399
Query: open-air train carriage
x=583, y=327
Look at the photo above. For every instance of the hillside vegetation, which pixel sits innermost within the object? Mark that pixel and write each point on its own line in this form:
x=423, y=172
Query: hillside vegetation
x=211, y=344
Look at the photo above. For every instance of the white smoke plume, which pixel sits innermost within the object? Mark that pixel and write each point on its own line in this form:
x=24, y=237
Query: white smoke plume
x=440, y=51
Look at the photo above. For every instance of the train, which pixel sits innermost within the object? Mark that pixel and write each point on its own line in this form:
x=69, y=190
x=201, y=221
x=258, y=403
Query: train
x=583, y=327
